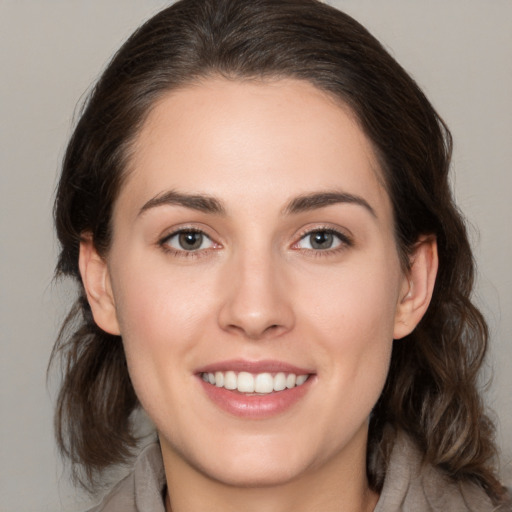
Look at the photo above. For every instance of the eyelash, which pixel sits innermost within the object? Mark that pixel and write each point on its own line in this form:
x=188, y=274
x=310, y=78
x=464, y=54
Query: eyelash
x=345, y=242
x=182, y=253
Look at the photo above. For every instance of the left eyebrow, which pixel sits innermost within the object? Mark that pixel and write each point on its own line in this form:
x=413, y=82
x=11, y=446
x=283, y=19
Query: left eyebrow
x=318, y=200
x=199, y=202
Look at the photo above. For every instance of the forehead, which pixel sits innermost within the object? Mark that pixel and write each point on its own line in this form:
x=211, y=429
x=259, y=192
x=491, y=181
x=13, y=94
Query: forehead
x=250, y=140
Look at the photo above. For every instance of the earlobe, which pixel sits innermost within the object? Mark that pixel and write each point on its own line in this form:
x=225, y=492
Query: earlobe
x=418, y=286
x=96, y=281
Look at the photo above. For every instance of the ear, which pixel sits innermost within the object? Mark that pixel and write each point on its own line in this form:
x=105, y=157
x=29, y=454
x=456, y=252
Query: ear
x=418, y=286
x=96, y=281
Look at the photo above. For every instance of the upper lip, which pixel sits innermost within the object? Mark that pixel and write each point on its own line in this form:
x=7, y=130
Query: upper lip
x=242, y=365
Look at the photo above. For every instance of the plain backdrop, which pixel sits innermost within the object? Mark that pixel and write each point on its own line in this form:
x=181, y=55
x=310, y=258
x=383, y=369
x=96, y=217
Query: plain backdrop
x=51, y=51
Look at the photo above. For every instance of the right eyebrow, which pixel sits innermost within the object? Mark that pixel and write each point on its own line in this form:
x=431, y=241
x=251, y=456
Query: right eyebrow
x=317, y=200
x=199, y=202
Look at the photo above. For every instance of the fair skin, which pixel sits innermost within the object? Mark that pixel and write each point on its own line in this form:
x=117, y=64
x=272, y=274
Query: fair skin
x=254, y=234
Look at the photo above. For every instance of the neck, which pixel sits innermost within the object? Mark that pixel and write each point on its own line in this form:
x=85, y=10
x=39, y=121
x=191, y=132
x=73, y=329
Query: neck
x=366, y=503
x=338, y=485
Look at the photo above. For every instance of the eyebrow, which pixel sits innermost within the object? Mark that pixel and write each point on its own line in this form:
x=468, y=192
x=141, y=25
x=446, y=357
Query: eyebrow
x=207, y=204
x=318, y=200
x=199, y=202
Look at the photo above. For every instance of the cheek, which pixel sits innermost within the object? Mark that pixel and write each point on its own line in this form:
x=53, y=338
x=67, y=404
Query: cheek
x=352, y=316
x=156, y=303
x=161, y=316
x=352, y=303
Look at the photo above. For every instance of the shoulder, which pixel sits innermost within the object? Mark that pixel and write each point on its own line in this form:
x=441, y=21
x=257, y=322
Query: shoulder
x=142, y=490
x=411, y=485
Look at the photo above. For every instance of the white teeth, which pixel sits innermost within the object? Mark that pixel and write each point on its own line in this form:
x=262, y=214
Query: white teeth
x=219, y=379
x=230, y=380
x=262, y=383
x=300, y=380
x=245, y=382
x=280, y=382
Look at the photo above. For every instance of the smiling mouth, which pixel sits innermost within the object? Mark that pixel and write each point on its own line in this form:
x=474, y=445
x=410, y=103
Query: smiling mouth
x=259, y=383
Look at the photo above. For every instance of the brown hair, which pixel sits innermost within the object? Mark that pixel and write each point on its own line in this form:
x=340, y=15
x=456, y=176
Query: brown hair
x=431, y=391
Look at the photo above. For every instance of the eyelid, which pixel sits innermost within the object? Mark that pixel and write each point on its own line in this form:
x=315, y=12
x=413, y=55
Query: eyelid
x=163, y=241
x=345, y=239
x=192, y=227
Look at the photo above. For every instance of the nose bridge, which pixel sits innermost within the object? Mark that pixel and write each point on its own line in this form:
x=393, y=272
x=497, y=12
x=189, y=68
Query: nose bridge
x=256, y=302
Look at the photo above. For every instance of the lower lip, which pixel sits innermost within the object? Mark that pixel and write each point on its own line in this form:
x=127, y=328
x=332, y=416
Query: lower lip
x=255, y=406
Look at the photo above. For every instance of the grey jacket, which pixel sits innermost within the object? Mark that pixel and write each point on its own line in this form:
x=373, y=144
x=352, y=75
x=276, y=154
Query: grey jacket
x=410, y=486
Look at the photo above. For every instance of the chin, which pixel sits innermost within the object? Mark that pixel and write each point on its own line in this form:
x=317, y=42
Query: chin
x=262, y=473
x=249, y=461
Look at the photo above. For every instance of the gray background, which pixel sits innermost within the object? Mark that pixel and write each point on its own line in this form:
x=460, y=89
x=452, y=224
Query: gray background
x=460, y=52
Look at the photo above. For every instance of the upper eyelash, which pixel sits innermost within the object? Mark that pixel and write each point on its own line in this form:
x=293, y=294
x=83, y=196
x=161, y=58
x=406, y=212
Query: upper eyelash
x=181, y=230
x=346, y=240
x=162, y=243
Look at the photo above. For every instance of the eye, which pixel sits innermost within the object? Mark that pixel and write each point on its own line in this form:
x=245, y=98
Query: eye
x=189, y=240
x=322, y=240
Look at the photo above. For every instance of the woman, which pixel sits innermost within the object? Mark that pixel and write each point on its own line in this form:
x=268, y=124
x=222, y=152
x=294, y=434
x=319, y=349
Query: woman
x=256, y=208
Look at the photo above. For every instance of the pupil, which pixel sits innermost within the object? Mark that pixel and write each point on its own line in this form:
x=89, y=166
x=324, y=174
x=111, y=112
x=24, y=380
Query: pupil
x=190, y=240
x=321, y=240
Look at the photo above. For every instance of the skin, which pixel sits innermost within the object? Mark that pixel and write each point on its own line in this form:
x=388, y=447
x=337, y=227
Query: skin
x=256, y=290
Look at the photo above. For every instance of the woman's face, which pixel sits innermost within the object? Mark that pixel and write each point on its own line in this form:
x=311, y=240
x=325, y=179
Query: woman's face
x=253, y=246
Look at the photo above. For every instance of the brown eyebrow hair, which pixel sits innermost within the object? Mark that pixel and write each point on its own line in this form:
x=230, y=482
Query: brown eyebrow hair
x=208, y=204
x=321, y=199
x=200, y=202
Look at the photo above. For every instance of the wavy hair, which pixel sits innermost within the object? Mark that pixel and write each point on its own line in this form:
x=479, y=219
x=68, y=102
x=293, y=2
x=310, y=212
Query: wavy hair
x=432, y=388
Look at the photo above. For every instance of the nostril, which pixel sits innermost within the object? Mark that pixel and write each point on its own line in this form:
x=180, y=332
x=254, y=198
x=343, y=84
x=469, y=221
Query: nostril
x=255, y=332
x=272, y=329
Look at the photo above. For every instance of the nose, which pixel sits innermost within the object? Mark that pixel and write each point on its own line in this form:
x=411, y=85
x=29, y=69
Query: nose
x=257, y=300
